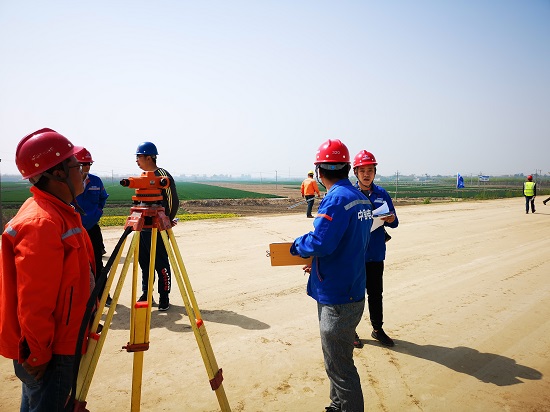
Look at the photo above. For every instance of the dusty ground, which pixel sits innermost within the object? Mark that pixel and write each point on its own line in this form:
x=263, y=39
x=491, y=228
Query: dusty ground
x=289, y=203
x=467, y=298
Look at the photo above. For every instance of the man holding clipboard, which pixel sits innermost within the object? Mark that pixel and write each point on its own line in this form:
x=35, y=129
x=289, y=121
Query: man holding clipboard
x=337, y=272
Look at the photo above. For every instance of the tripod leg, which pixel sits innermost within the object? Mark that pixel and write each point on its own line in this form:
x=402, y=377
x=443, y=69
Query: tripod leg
x=151, y=279
x=95, y=345
x=141, y=344
x=214, y=373
x=141, y=324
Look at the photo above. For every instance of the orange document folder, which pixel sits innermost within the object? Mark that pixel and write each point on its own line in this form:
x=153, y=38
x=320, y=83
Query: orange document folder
x=280, y=255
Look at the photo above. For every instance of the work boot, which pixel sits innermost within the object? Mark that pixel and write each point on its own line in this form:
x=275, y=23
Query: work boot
x=544, y=201
x=164, y=303
x=381, y=337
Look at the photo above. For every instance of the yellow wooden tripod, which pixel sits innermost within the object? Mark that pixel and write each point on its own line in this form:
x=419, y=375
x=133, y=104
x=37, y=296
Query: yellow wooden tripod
x=146, y=216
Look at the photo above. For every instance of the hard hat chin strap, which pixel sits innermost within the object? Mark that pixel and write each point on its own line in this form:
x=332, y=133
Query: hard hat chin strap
x=34, y=179
x=317, y=177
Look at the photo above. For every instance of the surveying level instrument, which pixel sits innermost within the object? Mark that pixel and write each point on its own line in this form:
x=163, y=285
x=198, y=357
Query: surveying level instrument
x=147, y=213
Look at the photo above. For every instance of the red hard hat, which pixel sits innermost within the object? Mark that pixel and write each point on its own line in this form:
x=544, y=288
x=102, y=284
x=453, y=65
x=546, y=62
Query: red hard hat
x=332, y=151
x=364, y=158
x=82, y=155
x=529, y=177
x=40, y=151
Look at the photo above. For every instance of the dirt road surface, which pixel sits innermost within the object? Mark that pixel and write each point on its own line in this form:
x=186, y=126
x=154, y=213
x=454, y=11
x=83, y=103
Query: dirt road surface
x=467, y=300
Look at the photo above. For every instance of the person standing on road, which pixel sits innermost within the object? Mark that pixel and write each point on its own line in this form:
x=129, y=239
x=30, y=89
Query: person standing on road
x=530, y=192
x=337, y=272
x=47, y=271
x=309, y=189
x=146, y=159
x=92, y=201
x=364, y=168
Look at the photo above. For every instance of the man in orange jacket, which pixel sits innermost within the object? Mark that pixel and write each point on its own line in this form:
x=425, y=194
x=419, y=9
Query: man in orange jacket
x=309, y=189
x=46, y=273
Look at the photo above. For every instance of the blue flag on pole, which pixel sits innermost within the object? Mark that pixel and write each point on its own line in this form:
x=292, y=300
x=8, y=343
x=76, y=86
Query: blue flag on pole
x=459, y=181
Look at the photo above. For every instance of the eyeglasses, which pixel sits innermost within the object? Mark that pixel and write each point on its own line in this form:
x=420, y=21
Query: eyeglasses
x=74, y=166
x=88, y=164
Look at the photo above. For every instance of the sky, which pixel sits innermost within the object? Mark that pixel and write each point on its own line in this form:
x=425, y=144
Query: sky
x=255, y=87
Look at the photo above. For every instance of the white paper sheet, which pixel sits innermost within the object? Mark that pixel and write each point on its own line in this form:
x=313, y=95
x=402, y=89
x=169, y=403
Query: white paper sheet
x=378, y=214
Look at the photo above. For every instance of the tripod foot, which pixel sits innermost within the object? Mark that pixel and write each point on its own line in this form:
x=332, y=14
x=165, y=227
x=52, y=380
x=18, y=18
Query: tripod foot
x=80, y=406
x=217, y=380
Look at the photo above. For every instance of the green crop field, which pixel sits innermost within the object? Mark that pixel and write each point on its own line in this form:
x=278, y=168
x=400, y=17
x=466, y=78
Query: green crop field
x=120, y=198
x=189, y=191
x=414, y=191
x=18, y=192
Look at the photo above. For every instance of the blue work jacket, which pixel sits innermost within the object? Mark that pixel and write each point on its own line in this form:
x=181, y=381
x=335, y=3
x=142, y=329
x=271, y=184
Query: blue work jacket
x=92, y=201
x=376, y=250
x=337, y=244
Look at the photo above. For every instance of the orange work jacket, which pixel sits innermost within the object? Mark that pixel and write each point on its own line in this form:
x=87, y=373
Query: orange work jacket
x=309, y=187
x=46, y=271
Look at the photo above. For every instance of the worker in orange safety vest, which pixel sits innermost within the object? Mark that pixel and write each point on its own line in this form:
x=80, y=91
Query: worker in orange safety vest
x=309, y=188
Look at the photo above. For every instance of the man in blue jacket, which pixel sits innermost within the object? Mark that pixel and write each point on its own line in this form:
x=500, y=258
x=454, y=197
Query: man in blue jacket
x=337, y=272
x=92, y=201
x=364, y=168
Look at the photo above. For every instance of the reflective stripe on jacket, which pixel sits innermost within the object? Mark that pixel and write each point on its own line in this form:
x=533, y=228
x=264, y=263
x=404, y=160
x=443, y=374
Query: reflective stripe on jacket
x=46, y=261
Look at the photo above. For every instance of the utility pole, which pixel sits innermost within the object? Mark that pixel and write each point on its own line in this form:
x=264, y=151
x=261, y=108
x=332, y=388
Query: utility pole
x=275, y=180
x=396, y=183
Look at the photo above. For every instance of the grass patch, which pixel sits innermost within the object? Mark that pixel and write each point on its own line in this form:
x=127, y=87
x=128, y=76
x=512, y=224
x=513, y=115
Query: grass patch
x=107, y=221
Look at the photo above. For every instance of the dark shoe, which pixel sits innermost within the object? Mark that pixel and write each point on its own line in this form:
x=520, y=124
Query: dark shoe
x=164, y=303
x=544, y=201
x=143, y=298
x=357, y=341
x=108, y=301
x=332, y=409
x=381, y=337
x=311, y=216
